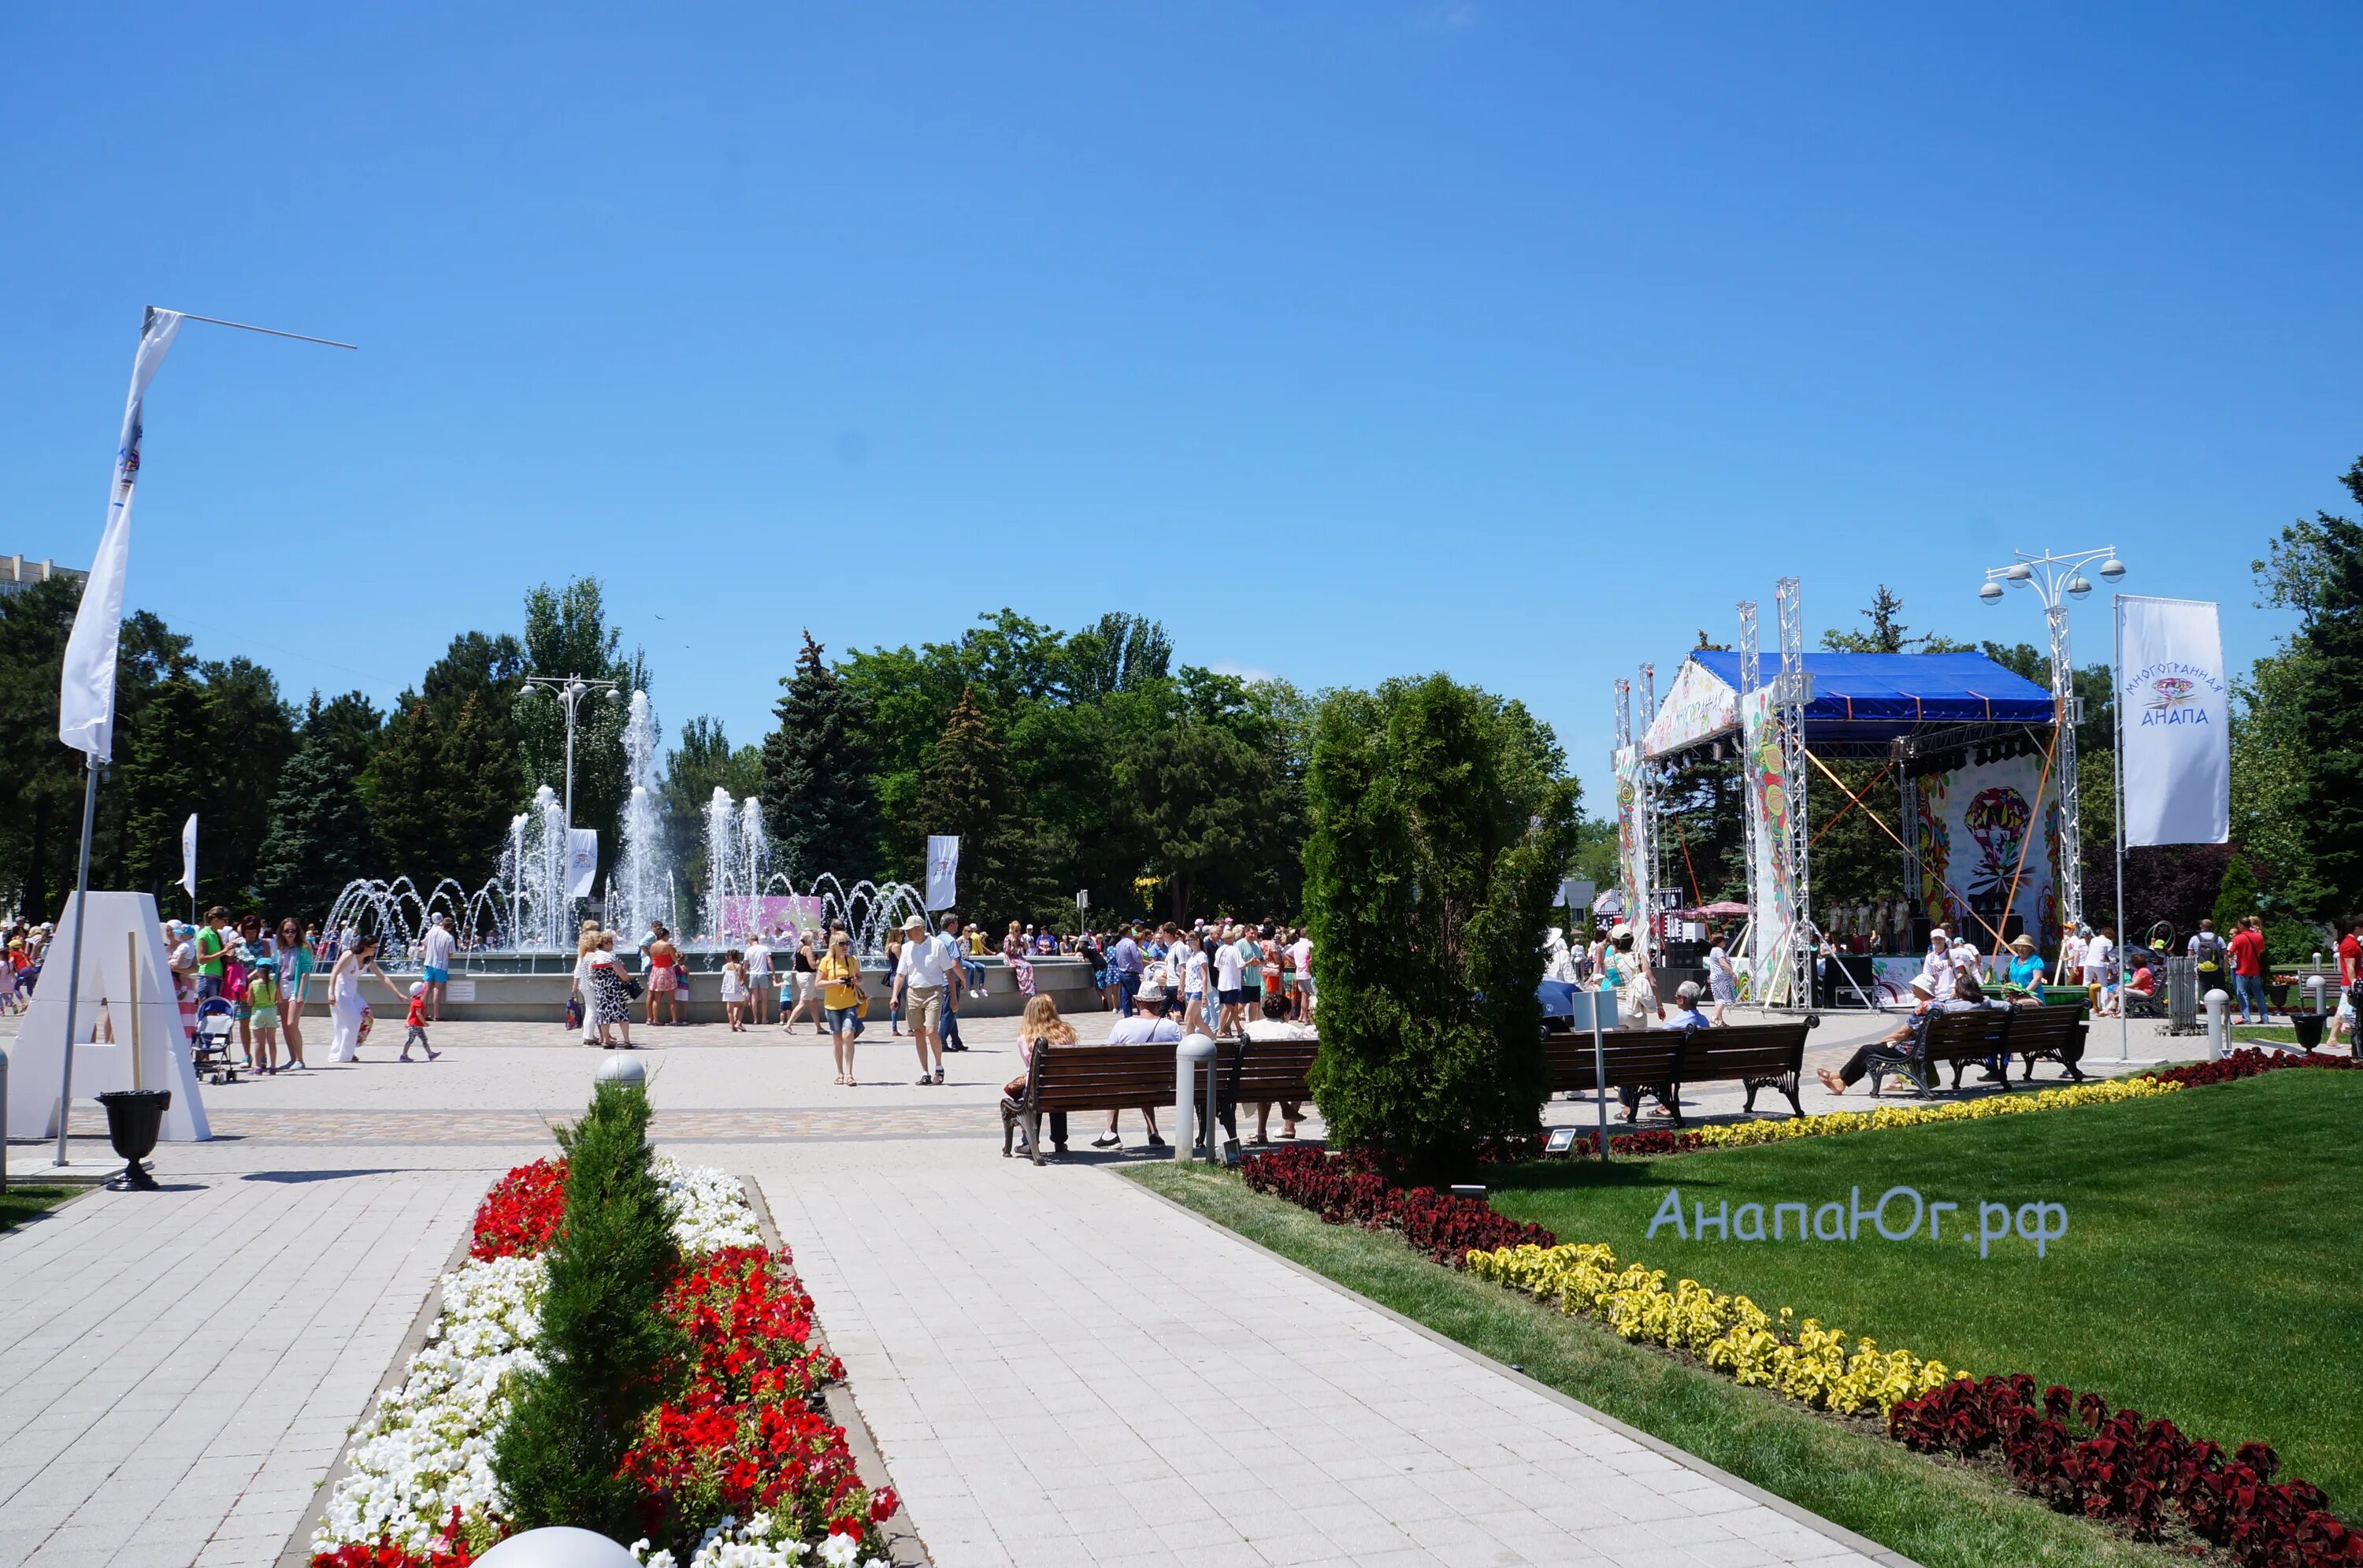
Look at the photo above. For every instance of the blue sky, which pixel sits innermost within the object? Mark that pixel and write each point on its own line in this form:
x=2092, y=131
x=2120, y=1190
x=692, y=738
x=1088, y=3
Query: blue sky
x=1519, y=341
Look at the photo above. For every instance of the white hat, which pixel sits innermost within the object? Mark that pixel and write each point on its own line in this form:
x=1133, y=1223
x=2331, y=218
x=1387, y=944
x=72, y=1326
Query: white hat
x=1923, y=985
x=916, y=922
x=418, y=987
x=1619, y=929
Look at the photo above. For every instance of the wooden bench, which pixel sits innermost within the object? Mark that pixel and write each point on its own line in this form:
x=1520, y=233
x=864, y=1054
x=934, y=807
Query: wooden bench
x=1262, y=1071
x=1957, y=1038
x=1757, y=1056
x=2053, y=1031
x=1088, y=1077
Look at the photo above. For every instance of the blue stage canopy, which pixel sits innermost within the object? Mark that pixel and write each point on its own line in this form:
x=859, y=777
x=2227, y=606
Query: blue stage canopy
x=1864, y=701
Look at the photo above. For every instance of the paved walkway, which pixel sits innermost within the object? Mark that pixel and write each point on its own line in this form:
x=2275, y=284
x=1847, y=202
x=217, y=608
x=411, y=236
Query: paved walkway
x=1059, y=1366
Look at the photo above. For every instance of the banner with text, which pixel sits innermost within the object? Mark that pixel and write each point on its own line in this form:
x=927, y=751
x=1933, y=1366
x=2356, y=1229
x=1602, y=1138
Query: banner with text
x=2174, y=709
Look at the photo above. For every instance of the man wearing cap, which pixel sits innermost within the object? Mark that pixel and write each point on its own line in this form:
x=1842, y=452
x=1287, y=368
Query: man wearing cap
x=919, y=990
x=1938, y=965
x=1893, y=1047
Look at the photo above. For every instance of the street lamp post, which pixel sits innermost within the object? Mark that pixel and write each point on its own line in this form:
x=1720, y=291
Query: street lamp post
x=570, y=691
x=2052, y=576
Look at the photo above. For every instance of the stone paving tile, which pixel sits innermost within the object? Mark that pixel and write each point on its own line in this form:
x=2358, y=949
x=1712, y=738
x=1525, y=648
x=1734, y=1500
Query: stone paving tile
x=1265, y=1419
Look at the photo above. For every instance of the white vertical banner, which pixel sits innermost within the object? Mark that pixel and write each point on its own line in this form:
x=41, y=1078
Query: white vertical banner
x=2174, y=715
x=189, y=854
x=86, y=686
x=943, y=870
x=582, y=861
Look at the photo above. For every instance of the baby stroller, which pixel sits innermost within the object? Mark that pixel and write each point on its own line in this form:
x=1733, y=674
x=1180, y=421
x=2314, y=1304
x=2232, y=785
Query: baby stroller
x=209, y=1053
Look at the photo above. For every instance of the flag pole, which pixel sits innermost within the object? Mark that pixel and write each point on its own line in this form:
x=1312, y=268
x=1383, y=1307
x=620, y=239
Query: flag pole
x=2117, y=713
x=73, y=971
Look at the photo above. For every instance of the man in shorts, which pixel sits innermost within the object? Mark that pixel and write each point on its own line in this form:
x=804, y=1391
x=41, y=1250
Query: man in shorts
x=926, y=965
x=435, y=961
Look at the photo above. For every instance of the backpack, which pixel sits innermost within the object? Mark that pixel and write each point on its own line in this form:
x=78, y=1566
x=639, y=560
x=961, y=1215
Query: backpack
x=2209, y=950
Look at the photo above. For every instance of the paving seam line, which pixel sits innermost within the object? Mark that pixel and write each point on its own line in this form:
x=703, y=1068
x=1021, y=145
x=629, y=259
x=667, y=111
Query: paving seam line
x=1884, y=1556
x=904, y=1547
x=297, y=1553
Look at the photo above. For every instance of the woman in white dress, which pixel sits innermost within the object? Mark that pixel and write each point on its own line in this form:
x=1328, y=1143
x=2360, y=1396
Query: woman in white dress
x=345, y=997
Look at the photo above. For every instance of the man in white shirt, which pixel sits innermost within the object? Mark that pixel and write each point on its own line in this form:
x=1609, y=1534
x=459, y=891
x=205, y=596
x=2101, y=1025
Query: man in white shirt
x=1275, y=1024
x=1228, y=970
x=2098, y=953
x=435, y=958
x=1938, y=965
x=758, y=959
x=1138, y=1028
x=927, y=963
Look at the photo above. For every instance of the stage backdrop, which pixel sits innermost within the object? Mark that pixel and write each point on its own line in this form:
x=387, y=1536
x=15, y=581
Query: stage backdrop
x=1981, y=826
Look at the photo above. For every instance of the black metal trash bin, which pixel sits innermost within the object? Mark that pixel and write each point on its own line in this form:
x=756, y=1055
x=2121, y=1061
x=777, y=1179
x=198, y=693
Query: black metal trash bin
x=134, y=1118
x=2309, y=1026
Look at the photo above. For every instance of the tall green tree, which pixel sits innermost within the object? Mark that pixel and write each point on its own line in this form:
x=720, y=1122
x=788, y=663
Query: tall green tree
x=320, y=835
x=2317, y=569
x=481, y=787
x=250, y=735
x=566, y=634
x=402, y=794
x=820, y=803
x=965, y=791
x=1443, y=818
x=163, y=778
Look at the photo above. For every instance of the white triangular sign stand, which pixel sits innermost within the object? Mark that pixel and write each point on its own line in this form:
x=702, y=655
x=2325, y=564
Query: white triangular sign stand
x=35, y=1057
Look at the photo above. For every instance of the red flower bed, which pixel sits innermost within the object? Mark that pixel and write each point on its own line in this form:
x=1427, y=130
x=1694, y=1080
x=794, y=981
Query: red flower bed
x=2130, y=1471
x=745, y=1432
x=2249, y=1061
x=521, y=1213
x=1344, y=1189
x=449, y=1551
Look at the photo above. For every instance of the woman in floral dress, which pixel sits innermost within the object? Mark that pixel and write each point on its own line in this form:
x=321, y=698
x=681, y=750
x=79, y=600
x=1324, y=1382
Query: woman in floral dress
x=611, y=993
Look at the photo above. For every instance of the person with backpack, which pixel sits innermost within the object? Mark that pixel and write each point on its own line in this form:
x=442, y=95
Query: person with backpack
x=2209, y=953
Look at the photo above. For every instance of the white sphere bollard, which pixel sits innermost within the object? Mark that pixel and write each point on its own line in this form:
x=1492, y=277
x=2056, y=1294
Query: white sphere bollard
x=2217, y=1001
x=625, y=1070
x=559, y=1546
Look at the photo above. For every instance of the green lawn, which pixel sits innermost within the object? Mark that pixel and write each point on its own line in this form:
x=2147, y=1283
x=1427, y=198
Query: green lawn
x=2213, y=1271
x=1935, y=1512
x=20, y=1203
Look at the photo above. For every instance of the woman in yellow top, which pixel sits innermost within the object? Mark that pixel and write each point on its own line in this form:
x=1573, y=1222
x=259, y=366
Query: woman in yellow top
x=842, y=999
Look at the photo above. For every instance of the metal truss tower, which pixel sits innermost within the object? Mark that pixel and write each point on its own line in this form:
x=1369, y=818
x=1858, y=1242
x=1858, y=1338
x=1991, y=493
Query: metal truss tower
x=1790, y=696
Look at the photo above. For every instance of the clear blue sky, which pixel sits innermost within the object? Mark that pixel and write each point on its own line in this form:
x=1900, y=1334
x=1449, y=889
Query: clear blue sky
x=1350, y=340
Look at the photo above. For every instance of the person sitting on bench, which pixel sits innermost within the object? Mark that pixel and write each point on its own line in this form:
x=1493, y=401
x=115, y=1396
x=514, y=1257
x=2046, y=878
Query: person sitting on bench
x=1894, y=1047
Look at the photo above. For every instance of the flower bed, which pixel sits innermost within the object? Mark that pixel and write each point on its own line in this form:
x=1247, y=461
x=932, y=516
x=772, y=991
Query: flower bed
x=2125, y=1472
x=740, y=1466
x=1346, y=1189
x=1839, y=1123
x=2130, y=1471
x=2249, y=1063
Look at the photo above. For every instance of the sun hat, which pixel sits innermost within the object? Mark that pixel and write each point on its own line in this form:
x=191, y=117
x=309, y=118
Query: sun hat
x=2023, y=943
x=1923, y=985
x=916, y=922
x=418, y=987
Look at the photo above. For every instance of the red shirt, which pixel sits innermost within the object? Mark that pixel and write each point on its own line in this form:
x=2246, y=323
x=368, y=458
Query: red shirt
x=418, y=1010
x=2350, y=959
x=2248, y=952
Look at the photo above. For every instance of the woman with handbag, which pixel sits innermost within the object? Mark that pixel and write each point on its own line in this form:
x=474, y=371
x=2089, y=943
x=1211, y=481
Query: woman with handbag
x=843, y=1000
x=611, y=992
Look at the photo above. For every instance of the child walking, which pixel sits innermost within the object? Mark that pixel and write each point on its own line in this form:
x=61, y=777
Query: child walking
x=262, y=1004
x=415, y=1034
x=734, y=989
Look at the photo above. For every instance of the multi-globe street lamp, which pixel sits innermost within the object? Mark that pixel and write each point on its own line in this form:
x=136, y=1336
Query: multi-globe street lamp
x=571, y=690
x=2057, y=579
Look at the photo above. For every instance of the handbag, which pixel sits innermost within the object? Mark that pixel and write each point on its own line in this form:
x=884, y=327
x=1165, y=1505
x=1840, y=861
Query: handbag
x=633, y=987
x=574, y=1012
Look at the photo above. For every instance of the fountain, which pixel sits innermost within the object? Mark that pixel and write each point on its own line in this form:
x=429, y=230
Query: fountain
x=640, y=891
x=526, y=909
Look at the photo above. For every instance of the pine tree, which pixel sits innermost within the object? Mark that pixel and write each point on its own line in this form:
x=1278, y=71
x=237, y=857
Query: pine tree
x=405, y=782
x=820, y=805
x=1442, y=820
x=320, y=838
x=2328, y=573
x=2238, y=898
x=164, y=778
x=604, y=1341
x=479, y=786
x=965, y=790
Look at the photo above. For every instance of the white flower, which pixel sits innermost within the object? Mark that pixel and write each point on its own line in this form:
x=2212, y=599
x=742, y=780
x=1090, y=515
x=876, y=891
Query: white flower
x=840, y=1551
x=710, y=1210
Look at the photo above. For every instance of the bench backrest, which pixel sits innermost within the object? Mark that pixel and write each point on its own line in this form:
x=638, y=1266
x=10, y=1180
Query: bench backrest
x=1258, y=1071
x=2038, y=1029
x=1967, y=1036
x=1635, y=1059
x=1100, y=1078
x=1746, y=1051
